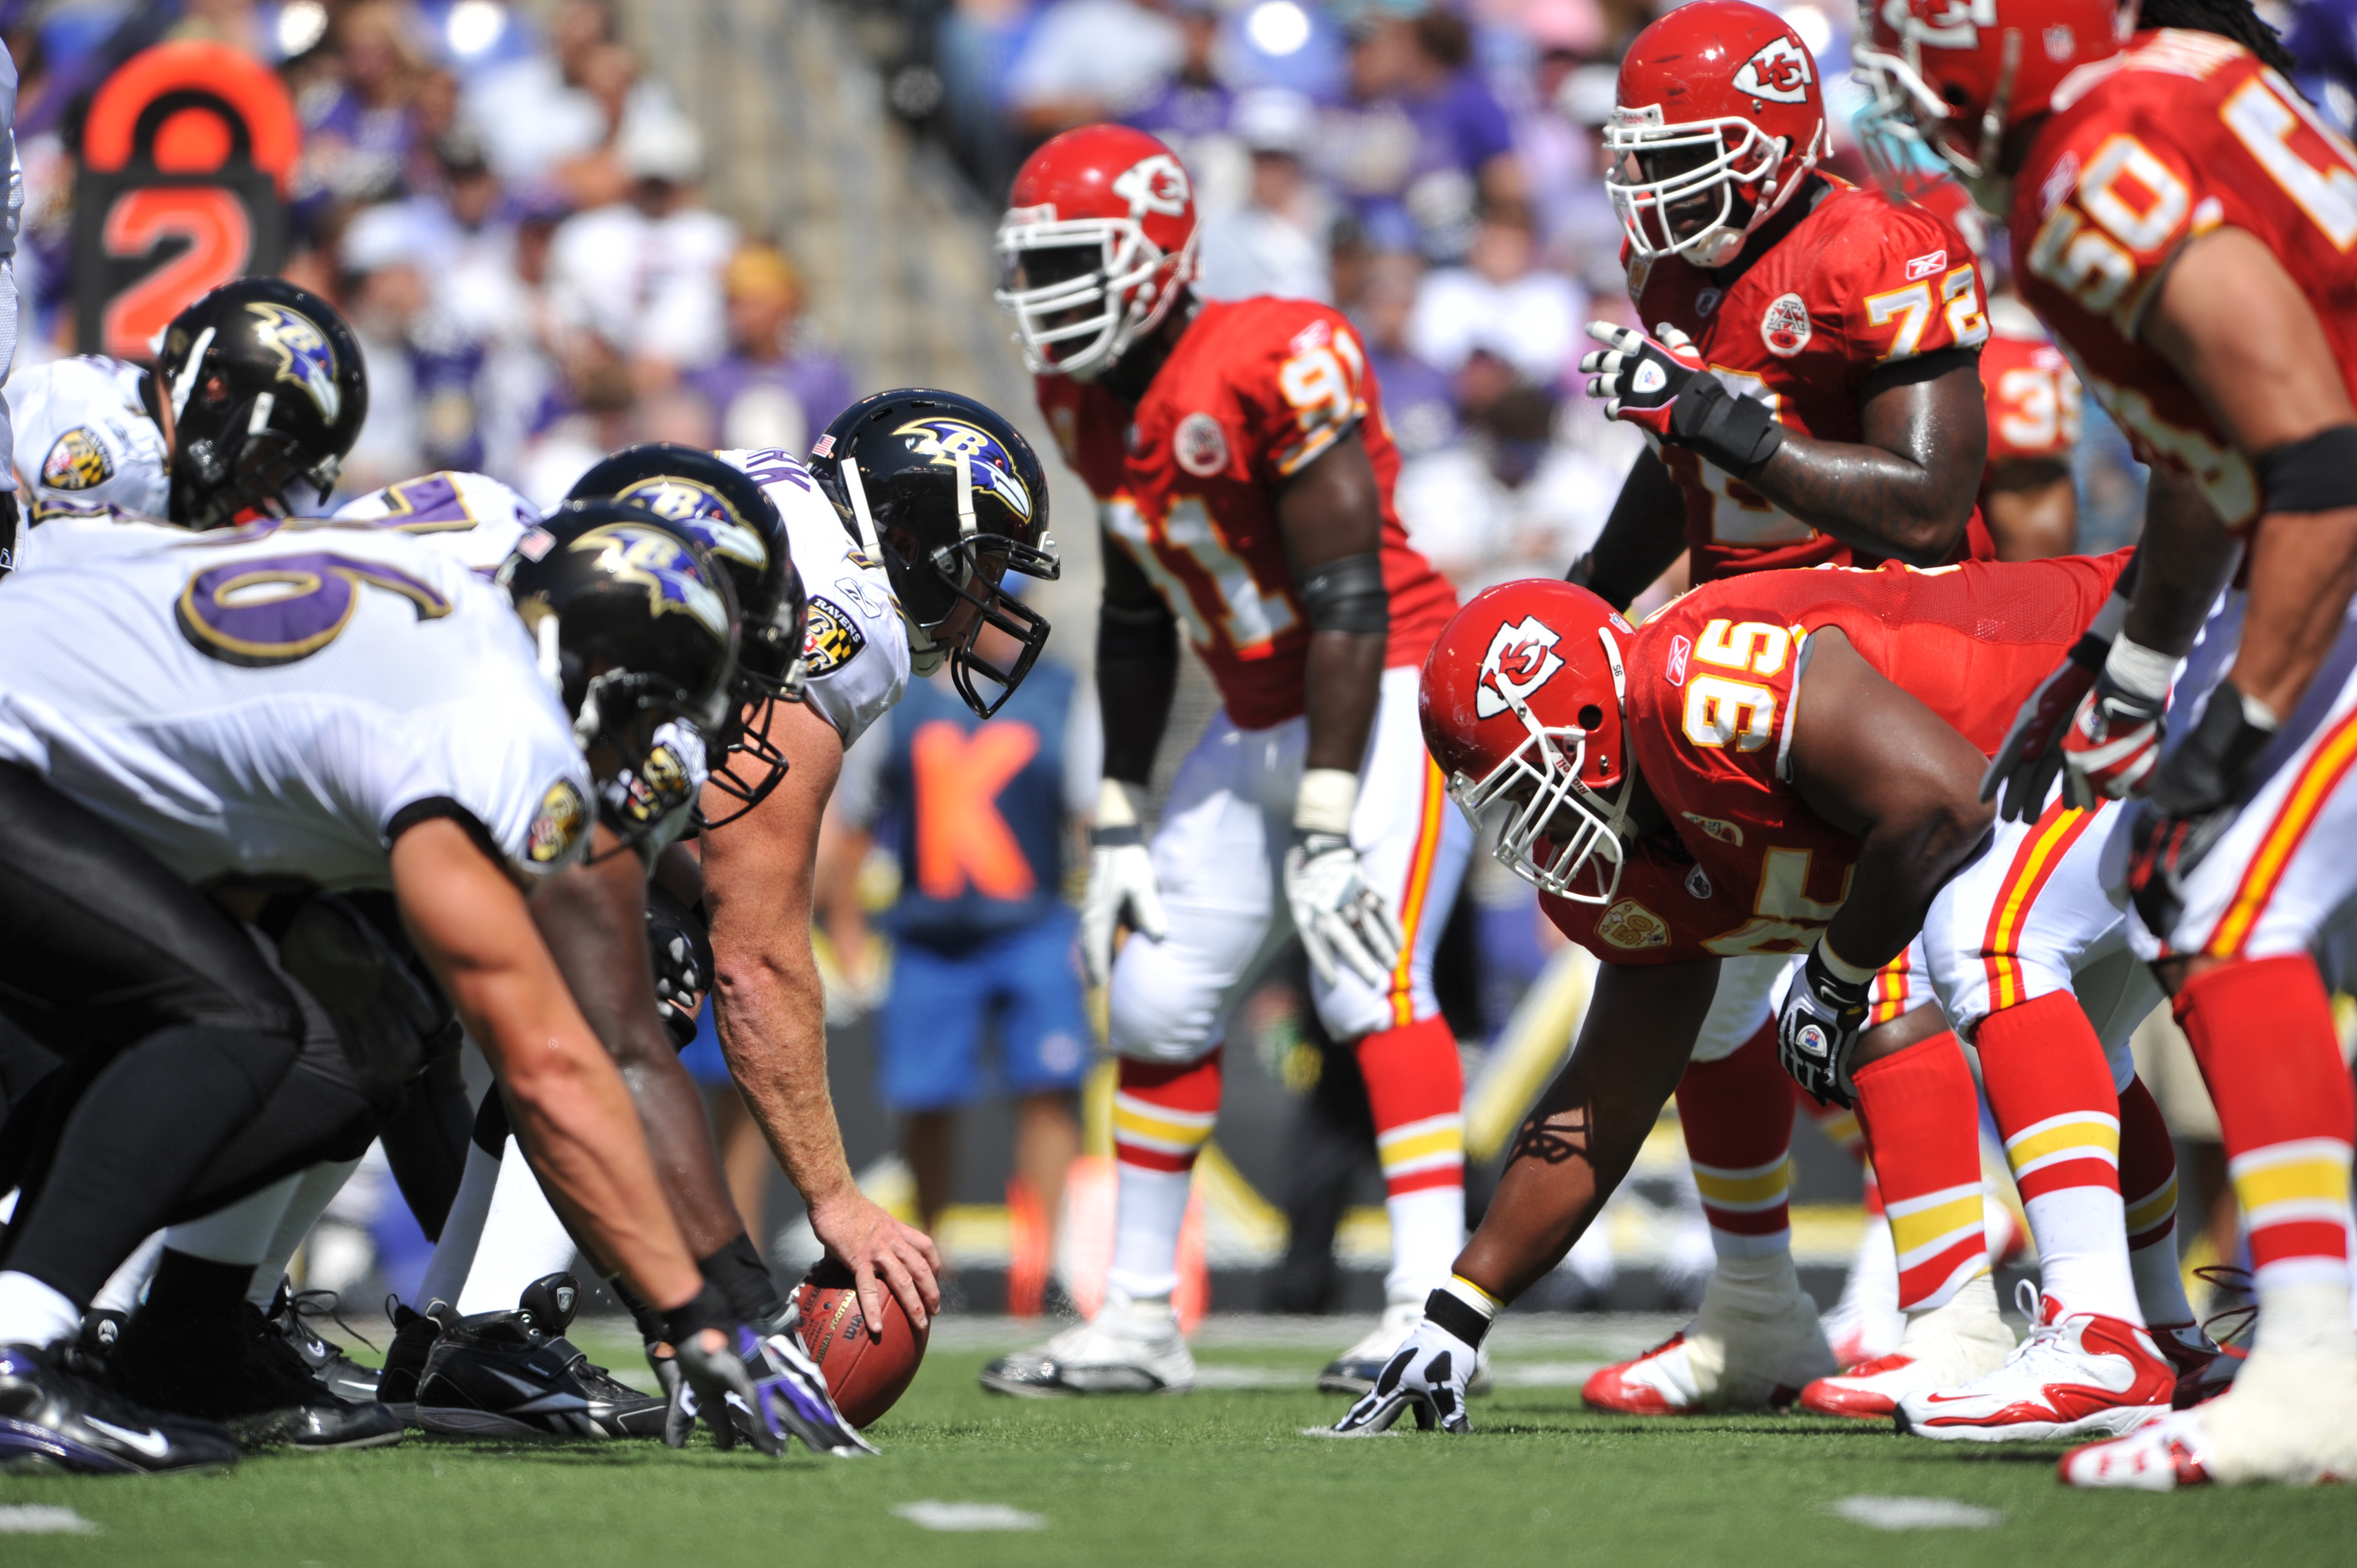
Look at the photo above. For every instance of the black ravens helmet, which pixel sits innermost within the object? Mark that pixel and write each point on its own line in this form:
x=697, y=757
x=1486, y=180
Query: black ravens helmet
x=719, y=505
x=266, y=389
x=948, y=496
x=636, y=627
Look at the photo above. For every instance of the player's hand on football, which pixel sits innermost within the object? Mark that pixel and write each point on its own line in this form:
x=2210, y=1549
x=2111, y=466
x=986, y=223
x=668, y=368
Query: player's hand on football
x=1640, y=377
x=1818, y=1027
x=882, y=1254
x=1426, y=1378
x=1122, y=888
x=1337, y=915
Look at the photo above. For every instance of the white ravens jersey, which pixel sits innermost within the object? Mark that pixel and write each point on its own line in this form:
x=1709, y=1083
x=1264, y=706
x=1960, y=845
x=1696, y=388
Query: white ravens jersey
x=265, y=707
x=857, y=647
x=84, y=439
x=471, y=516
x=81, y=538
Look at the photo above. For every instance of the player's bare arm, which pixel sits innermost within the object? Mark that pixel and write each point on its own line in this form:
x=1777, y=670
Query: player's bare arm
x=2238, y=330
x=566, y=1099
x=1577, y=1146
x=2185, y=557
x=1642, y=537
x=2031, y=506
x=593, y=918
x=757, y=875
x=1330, y=513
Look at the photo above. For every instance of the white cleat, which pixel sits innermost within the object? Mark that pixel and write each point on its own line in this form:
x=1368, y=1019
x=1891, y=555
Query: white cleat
x=1354, y=1371
x=1129, y=1347
x=2079, y=1374
x=1751, y=1346
x=1950, y=1344
x=2288, y=1417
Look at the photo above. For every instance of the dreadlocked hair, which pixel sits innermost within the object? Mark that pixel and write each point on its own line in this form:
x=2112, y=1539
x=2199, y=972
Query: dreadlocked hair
x=2228, y=18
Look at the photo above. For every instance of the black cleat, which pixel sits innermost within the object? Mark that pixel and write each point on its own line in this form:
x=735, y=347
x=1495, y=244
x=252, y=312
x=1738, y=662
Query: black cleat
x=514, y=1374
x=415, y=1334
x=50, y=1417
x=323, y=1360
x=240, y=1374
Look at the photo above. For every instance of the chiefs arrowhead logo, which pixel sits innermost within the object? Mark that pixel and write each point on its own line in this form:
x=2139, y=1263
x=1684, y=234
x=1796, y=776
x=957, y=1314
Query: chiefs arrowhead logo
x=1779, y=72
x=1521, y=660
x=1153, y=185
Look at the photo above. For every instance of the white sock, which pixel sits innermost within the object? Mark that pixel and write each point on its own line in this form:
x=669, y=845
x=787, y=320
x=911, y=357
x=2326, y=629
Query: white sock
x=2082, y=1251
x=1427, y=1232
x=128, y=1283
x=462, y=1230
x=315, y=1189
x=238, y=1233
x=522, y=1239
x=33, y=1313
x=1774, y=1273
x=2306, y=1317
x=1147, y=1211
x=2159, y=1283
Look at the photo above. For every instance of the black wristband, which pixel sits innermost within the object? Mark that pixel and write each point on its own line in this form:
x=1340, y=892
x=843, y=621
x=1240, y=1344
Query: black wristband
x=2208, y=767
x=1734, y=434
x=1346, y=595
x=706, y=1309
x=2318, y=474
x=736, y=1272
x=1451, y=1315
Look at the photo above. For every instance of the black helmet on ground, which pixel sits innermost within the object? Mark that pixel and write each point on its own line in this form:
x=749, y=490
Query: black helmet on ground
x=948, y=495
x=637, y=628
x=266, y=390
x=719, y=506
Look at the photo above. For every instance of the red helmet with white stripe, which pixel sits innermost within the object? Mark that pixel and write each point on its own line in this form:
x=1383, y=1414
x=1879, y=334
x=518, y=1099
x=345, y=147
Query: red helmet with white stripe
x=1097, y=243
x=1959, y=74
x=1524, y=702
x=1719, y=116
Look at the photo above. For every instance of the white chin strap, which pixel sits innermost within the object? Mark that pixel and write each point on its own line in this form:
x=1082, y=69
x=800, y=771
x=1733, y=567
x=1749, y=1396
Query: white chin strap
x=849, y=468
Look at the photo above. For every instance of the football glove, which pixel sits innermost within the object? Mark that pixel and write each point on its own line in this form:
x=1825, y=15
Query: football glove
x=681, y=955
x=1661, y=386
x=1337, y=915
x=2025, y=763
x=776, y=1392
x=1426, y=1378
x=2193, y=798
x=2114, y=740
x=1817, y=1029
x=710, y=1378
x=1121, y=879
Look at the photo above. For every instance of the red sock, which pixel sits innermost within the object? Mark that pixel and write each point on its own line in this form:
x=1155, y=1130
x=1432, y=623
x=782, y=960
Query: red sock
x=1737, y=1114
x=2262, y=1030
x=1162, y=1115
x=1415, y=1086
x=1922, y=1119
x=2148, y=1168
x=2051, y=1091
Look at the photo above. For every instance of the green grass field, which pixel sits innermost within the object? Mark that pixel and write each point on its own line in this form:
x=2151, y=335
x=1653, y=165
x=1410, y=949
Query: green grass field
x=1222, y=1475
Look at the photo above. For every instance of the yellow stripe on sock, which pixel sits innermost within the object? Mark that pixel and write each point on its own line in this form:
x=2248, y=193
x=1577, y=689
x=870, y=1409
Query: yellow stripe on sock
x=1722, y=1187
x=2147, y=1212
x=2080, y=1137
x=1910, y=1231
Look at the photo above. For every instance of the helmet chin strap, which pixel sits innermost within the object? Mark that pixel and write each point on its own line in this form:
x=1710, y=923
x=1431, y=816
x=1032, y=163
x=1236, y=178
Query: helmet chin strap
x=185, y=383
x=551, y=662
x=848, y=467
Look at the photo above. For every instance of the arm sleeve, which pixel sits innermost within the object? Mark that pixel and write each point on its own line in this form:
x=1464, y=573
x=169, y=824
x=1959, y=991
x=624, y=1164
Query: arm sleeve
x=1083, y=751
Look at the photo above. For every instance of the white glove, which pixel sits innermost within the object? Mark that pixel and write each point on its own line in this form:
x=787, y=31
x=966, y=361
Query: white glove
x=1337, y=915
x=1121, y=875
x=1427, y=1376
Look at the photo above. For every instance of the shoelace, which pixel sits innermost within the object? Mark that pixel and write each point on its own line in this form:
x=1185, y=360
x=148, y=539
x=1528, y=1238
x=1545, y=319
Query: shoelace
x=2224, y=1278
x=307, y=1304
x=2031, y=1304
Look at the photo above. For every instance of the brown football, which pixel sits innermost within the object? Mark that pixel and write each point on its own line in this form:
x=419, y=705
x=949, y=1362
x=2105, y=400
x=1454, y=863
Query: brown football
x=866, y=1374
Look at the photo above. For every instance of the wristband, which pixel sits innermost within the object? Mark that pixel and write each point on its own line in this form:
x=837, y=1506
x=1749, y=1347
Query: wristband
x=1346, y=595
x=1325, y=801
x=2138, y=670
x=1841, y=969
x=1114, y=808
x=1463, y=1310
x=705, y=1309
x=1734, y=434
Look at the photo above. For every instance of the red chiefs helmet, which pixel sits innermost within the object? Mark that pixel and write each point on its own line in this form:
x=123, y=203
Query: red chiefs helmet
x=1524, y=702
x=1719, y=116
x=1959, y=74
x=1097, y=243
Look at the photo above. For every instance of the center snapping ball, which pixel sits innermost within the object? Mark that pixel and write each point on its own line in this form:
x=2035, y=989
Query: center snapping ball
x=866, y=1374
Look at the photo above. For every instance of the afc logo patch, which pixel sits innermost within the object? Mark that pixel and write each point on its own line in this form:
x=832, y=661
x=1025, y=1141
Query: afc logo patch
x=1632, y=928
x=1522, y=658
x=558, y=825
x=832, y=639
x=78, y=462
x=1779, y=72
x=1785, y=325
x=1201, y=445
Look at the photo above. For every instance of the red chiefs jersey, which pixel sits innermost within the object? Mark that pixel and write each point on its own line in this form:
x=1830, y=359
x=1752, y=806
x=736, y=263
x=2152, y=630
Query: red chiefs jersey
x=1710, y=718
x=2033, y=394
x=2180, y=133
x=1254, y=392
x=1855, y=285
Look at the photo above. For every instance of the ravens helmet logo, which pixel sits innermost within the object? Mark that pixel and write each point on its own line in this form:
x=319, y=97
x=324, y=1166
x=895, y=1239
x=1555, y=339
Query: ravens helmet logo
x=659, y=564
x=305, y=355
x=945, y=441
x=703, y=512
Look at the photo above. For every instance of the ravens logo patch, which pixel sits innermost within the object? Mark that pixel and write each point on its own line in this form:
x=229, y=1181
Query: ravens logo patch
x=832, y=639
x=557, y=826
x=78, y=462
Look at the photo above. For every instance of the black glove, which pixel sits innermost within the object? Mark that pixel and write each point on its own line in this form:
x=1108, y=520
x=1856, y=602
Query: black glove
x=2195, y=794
x=11, y=520
x=681, y=948
x=711, y=1369
x=1818, y=1031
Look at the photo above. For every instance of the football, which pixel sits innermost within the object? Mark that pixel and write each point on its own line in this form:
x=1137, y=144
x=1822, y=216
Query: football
x=866, y=1374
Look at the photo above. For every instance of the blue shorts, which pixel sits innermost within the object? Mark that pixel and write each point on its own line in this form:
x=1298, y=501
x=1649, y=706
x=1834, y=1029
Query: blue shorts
x=1026, y=984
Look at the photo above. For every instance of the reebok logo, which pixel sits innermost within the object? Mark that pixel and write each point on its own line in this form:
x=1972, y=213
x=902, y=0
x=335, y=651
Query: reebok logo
x=1928, y=266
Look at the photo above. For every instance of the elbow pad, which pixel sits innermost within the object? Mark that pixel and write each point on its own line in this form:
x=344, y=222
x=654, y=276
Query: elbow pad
x=1142, y=633
x=1346, y=595
x=2318, y=474
x=1734, y=434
